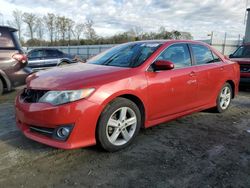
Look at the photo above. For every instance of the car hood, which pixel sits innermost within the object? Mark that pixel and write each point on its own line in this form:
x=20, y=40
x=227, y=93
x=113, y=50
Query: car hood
x=75, y=76
x=241, y=60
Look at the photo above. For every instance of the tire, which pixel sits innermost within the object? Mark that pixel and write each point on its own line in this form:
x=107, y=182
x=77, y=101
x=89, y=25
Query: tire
x=118, y=124
x=224, y=98
x=63, y=63
x=1, y=87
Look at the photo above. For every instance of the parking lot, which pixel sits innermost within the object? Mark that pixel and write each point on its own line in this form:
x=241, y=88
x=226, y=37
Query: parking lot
x=201, y=150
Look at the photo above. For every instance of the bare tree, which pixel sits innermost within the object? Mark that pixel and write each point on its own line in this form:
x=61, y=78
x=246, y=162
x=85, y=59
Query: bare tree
x=30, y=20
x=62, y=23
x=50, y=20
x=17, y=21
x=89, y=30
x=78, y=31
x=70, y=25
x=40, y=28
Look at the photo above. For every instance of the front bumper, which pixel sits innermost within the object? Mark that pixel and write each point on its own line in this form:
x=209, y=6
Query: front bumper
x=82, y=114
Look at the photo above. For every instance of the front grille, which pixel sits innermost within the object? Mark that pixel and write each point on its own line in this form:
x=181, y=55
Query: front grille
x=31, y=95
x=244, y=68
x=42, y=130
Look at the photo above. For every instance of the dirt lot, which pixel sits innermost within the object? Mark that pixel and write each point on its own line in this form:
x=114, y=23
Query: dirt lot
x=200, y=150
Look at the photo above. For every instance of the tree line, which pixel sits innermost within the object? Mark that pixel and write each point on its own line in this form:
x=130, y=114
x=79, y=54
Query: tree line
x=55, y=30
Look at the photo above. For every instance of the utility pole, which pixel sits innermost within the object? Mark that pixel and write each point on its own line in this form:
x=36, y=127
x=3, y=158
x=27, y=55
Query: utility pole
x=224, y=45
x=211, y=37
x=247, y=34
x=245, y=17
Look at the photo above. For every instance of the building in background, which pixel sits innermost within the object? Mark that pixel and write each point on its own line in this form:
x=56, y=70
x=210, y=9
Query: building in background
x=247, y=35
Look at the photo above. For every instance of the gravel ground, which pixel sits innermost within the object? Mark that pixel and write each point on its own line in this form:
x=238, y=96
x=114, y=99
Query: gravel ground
x=200, y=150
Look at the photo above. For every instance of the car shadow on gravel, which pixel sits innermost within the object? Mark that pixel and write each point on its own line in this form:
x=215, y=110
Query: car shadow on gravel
x=244, y=88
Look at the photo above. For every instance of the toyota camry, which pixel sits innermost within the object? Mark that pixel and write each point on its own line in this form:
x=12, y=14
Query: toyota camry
x=108, y=99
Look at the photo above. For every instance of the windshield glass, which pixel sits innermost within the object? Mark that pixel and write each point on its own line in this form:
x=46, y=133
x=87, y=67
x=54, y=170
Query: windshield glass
x=126, y=55
x=242, y=52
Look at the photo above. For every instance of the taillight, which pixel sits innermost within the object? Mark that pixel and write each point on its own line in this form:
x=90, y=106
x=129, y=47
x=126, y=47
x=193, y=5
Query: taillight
x=20, y=57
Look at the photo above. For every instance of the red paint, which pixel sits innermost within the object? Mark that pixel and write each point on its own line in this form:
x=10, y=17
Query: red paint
x=166, y=95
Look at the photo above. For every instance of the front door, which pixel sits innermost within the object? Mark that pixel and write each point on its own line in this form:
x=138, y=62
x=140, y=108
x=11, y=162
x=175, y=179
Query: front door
x=36, y=58
x=172, y=91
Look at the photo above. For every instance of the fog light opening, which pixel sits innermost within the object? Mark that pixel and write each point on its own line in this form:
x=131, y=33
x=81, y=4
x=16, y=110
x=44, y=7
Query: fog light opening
x=63, y=132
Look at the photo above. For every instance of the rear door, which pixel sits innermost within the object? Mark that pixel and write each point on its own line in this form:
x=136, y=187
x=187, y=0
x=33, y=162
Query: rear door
x=51, y=57
x=210, y=73
x=172, y=91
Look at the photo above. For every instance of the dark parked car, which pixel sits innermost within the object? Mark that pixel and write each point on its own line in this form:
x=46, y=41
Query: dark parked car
x=12, y=60
x=43, y=58
x=242, y=56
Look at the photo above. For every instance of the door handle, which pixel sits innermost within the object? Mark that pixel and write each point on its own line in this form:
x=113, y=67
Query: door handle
x=192, y=74
x=222, y=68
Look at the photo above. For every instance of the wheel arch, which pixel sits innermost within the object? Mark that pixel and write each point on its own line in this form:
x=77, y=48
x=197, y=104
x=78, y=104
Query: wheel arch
x=5, y=80
x=134, y=98
x=232, y=84
x=139, y=103
x=64, y=60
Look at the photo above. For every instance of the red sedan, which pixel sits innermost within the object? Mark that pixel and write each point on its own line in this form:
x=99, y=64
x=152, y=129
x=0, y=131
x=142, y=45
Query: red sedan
x=108, y=99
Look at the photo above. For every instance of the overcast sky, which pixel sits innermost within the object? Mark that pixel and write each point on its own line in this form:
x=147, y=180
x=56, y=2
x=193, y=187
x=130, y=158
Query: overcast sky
x=199, y=17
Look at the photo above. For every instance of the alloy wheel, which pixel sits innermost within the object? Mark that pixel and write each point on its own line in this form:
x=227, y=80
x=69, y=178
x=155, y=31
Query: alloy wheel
x=225, y=97
x=121, y=126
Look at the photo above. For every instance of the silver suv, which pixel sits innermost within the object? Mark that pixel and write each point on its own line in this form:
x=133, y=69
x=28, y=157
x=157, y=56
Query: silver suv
x=43, y=58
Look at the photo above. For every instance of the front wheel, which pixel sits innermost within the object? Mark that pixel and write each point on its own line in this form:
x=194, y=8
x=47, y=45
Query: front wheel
x=224, y=98
x=119, y=124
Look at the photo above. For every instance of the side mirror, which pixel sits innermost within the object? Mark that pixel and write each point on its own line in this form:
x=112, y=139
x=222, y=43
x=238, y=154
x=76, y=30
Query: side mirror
x=163, y=65
x=231, y=56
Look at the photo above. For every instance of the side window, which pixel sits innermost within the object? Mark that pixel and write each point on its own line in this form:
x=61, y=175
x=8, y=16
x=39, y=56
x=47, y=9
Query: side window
x=51, y=53
x=178, y=54
x=202, y=54
x=36, y=54
x=59, y=53
x=6, y=39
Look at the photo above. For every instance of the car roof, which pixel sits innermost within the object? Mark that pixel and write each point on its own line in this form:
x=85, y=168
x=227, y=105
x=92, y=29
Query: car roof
x=44, y=49
x=166, y=41
x=8, y=28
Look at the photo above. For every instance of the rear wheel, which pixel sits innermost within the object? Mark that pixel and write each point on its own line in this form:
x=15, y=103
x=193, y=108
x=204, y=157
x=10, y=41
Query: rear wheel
x=63, y=63
x=1, y=87
x=224, y=98
x=119, y=124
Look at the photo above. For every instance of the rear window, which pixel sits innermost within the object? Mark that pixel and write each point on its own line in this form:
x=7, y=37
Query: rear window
x=6, y=39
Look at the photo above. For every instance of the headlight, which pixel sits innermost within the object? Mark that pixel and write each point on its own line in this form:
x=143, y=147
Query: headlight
x=61, y=97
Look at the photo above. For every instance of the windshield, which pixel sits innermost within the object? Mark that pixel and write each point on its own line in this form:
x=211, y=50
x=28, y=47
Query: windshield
x=242, y=52
x=126, y=55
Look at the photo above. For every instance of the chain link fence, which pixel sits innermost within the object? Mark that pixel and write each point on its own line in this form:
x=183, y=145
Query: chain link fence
x=226, y=46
